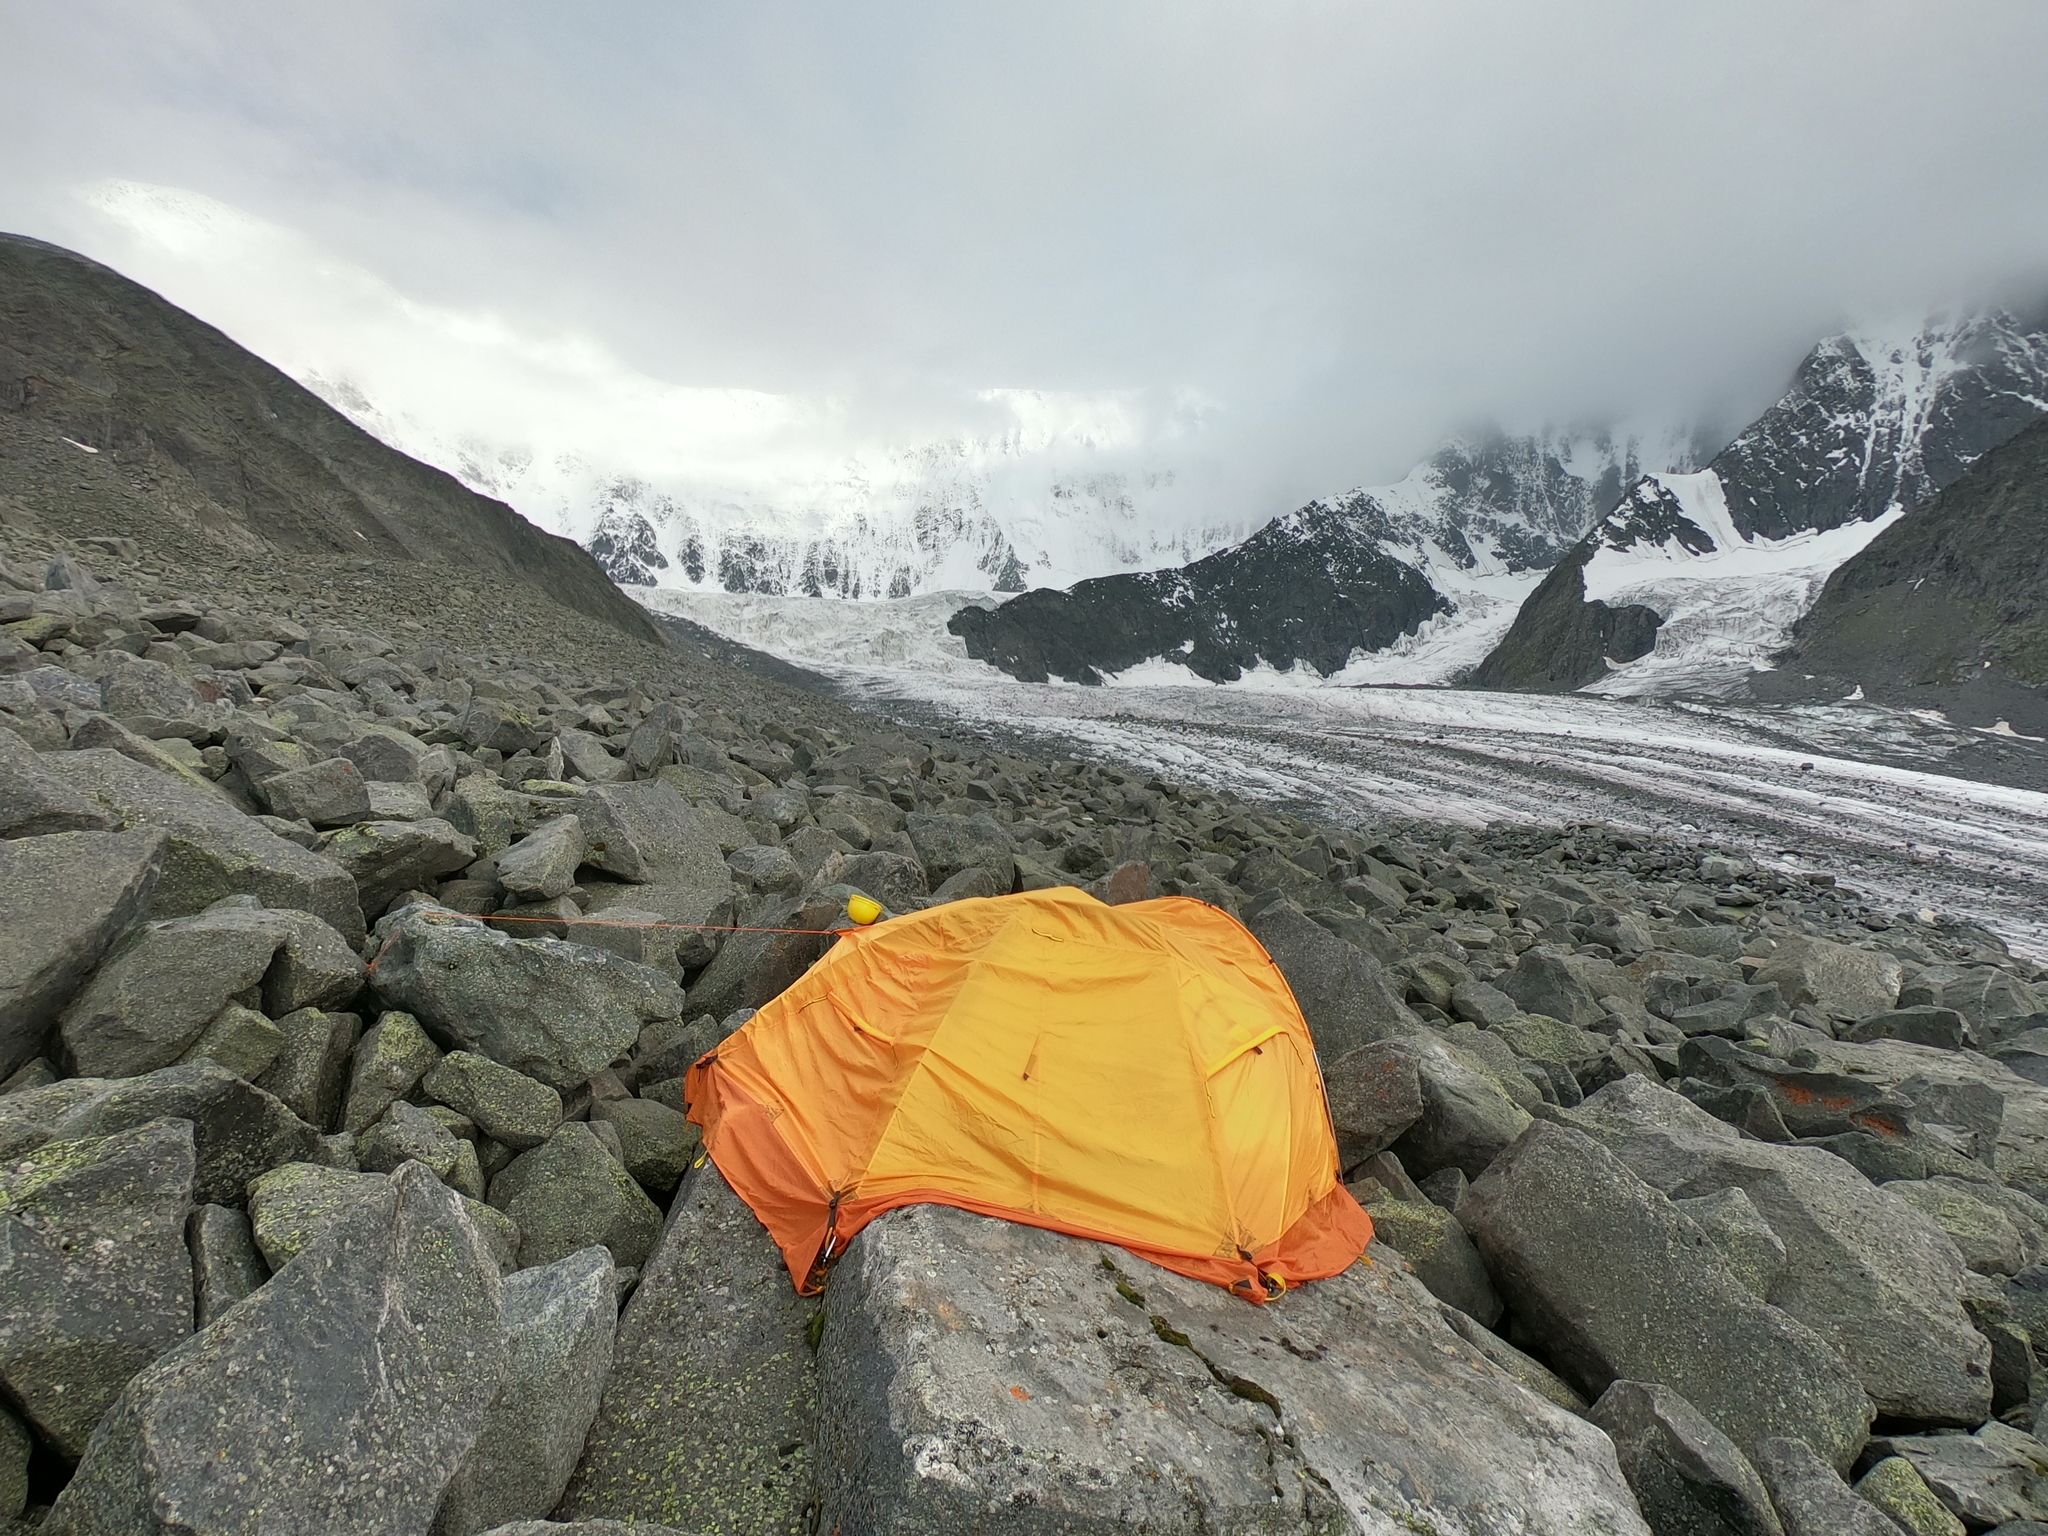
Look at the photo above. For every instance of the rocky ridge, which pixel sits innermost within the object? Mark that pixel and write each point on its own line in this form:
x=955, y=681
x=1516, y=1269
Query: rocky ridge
x=1868, y=428
x=123, y=408
x=334, y=996
x=1944, y=608
x=1313, y=587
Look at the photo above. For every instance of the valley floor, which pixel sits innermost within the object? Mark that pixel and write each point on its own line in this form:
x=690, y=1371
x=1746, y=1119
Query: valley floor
x=1782, y=787
x=1895, y=803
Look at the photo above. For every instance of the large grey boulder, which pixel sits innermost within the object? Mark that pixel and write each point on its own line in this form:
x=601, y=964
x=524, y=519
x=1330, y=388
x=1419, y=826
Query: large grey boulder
x=1994, y=1002
x=542, y=865
x=337, y=1400
x=141, y=693
x=1844, y=982
x=390, y=1060
x=95, y=1279
x=66, y=899
x=1344, y=993
x=399, y=801
x=1375, y=1094
x=90, y=730
x=262, y=750
x=157, y=992
x=1901, y=1492
x=1943, y=1028
x=1546, y=981
x=1439, y=1254
x=212, y=850
x=639, y=934
x=1916, y=1108
x=409, y=1135
x=1992, y=1238
x=1618, y=1283
x=292, y=1205
x=653, y=743
x=59, y=688
x=559, y=1325
x=590, y=759
x=896, y=880
x=979, y=1375
x=707, y=1419
x=501, y=726
x=311, y=1067
x=1467, y=1117
x=1979, y=1105
x=386, y=756
x=765, y=871
x=35, y=802
x=647, y=833
x=154, y=995
x=948, y=844
x=226, y=1265
x=1810, y=1498
x=568, y=1193
x=1868, y=1273
x=754, y=968
x=1688, y=1477
x=239, y=1039
x=507, y=1106
x=657, y=1143
x=695, y=913
x=1997, y=1475
x=329, y=793
x=557, y=1012
x=238, y=1130
x=385, y=859
x=495, y=817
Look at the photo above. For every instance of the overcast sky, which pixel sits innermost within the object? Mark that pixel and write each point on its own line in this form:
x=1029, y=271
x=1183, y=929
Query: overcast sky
x=1349, y=227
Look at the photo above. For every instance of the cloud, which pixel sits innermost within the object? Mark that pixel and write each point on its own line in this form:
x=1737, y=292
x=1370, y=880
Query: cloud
x=1346, y=228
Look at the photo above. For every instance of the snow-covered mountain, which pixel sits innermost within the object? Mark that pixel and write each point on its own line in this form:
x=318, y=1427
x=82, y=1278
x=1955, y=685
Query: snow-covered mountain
x=1063, y=490
x=1695, y=580
x=693, y=486
x=1418, y=576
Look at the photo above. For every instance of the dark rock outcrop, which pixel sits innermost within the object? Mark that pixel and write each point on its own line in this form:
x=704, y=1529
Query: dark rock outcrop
x=1308, y=588
x=1948, y=607
x=1560, y=641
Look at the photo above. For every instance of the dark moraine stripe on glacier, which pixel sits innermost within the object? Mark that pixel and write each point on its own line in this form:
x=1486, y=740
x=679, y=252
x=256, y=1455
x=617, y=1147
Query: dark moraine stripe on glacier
x=1307, y=588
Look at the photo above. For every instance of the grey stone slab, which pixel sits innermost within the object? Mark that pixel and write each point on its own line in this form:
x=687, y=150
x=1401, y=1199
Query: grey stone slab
x=66, y=900
x=95, y=1278
x=1868, y=1273
x=1617, y=1283
x=707, y=1420
x=560, y=1321
x=338, y=1400
x=978, y=1375
x=212, y=849
x=557, y=1012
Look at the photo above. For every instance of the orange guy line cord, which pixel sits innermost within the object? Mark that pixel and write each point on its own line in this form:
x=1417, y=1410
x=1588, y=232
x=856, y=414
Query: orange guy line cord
x=600, y=922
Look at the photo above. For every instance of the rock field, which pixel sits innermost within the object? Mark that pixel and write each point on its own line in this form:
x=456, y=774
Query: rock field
x=346, y=1184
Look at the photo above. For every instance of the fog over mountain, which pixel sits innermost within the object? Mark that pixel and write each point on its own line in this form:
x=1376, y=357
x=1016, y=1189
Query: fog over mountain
x=1265, y=254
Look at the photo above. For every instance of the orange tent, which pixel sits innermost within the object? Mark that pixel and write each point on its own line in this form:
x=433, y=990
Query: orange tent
x=1138, y=1074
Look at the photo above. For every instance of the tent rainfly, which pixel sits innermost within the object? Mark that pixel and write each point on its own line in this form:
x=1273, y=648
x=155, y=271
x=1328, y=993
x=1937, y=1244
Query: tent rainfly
x=1136, y=1074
